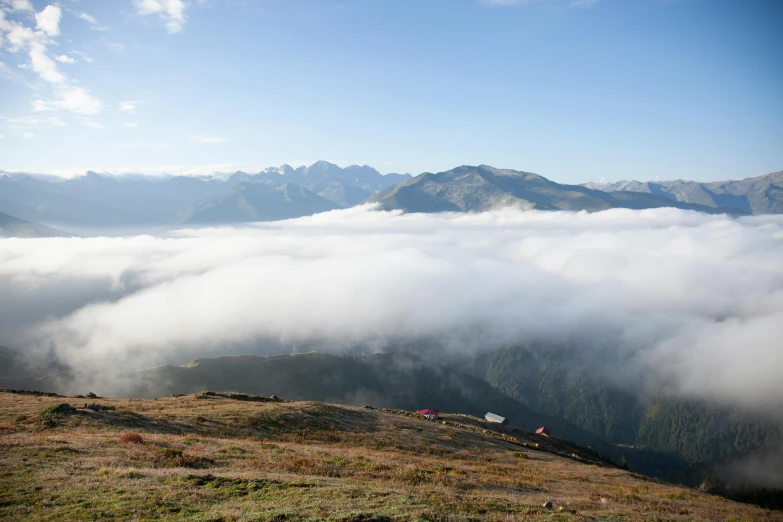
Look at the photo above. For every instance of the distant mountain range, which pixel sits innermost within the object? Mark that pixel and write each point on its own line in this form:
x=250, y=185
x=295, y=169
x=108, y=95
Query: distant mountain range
x=482, y=188
x=13, y=227
x=265, y=200
x=101, y=201
x=104, y=201
x=345, y=187
x=759, y=195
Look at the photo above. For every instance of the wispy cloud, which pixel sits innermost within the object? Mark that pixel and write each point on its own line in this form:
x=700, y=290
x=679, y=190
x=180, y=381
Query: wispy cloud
x=19, y=5
x=130, y=125
x=84, y=57
x=73, y=99
x=92, y=21
x=94, y=125
x=35, y=41
x=129, y=106
x=33, y=122
x=64, y=58
x=171, y=11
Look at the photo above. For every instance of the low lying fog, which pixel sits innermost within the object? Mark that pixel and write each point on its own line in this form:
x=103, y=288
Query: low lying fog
x=690, y=300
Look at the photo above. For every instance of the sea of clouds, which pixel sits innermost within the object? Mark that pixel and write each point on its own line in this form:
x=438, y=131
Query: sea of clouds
x=690, y=300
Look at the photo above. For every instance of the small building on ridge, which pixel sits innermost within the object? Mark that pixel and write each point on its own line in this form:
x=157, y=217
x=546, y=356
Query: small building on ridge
x=491, y=417
x=428, y=414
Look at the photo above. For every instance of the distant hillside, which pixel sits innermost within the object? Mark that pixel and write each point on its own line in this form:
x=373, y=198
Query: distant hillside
x=552, y=379
x=482, y=188
x=758, y=195
x=13, y=227
x=264, y=200
x=44, y=202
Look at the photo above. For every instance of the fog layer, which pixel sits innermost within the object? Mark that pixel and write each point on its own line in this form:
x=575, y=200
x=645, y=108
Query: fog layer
x=688, y=300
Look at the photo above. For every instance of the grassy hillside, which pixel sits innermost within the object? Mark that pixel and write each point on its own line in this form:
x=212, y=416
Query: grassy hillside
x=382, y=380
x=213, y=457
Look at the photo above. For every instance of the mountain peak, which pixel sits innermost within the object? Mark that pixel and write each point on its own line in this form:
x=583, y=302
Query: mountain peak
x=323, y=166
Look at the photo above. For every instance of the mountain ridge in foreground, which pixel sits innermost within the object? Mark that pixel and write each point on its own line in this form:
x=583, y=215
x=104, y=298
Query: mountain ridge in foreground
x=224, y=456
x=480, y=188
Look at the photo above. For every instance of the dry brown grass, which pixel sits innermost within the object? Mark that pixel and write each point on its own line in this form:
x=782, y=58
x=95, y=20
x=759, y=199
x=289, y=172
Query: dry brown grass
x=130, y=438
x=214, y=458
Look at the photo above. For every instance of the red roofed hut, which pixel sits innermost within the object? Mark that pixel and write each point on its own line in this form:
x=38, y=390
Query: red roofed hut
x=543, y=431
x=428, y=414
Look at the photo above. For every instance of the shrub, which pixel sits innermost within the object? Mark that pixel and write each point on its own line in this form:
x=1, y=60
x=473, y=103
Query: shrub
x=130, y=438
x=58, y=410
x=170, y=457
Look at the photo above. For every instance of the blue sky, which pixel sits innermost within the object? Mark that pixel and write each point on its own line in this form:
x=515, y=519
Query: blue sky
x=575, y=90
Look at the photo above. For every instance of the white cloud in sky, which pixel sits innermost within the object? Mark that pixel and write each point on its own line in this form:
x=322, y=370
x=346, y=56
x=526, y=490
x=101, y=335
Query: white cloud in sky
x=172, y=11
x=64, y=58
x=19, y=5
x=88, y=18
x=92, y=21
x=128, y=106
x=130, y=125
x=93, y=125
x=48, y=20
x=73, y=99
x=43, y=65
x=35, y=42
x=690, y=299
x=83, y=56
x=209, y=140
x=28, y=135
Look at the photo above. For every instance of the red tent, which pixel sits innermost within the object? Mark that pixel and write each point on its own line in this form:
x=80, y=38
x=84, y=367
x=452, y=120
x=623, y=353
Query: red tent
x=430, y=414
x=543, y=431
